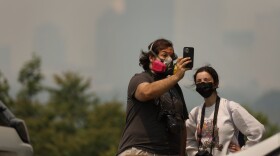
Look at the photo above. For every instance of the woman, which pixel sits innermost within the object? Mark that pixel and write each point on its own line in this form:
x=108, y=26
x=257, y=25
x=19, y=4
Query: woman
x=228, y=117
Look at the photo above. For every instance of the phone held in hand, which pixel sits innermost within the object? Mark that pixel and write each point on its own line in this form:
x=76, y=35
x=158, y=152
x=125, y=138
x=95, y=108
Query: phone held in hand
x=189, y=52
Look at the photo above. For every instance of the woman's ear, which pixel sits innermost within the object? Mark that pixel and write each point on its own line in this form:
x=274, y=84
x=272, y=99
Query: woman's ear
x=216, y=85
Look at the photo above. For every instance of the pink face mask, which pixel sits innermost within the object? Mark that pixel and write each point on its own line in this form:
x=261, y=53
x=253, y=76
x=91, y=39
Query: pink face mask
x=160, y=66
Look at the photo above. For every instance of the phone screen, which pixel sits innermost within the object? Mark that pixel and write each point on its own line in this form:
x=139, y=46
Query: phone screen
x=189, y=52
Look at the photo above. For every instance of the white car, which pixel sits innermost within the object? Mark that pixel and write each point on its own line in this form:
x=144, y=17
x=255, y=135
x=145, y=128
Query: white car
x=14, y=137
x=268, y=147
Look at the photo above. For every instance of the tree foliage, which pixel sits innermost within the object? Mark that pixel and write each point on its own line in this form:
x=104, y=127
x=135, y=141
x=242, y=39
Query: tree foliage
x=30, y=78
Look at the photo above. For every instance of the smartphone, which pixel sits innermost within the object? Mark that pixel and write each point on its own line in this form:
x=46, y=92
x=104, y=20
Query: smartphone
x=189, y=52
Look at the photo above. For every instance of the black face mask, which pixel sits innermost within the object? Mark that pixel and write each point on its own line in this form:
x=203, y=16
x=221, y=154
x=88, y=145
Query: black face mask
x=205, y=89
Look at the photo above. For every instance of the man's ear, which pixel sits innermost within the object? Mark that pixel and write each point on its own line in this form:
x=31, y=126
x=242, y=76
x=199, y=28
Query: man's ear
x=152, y=58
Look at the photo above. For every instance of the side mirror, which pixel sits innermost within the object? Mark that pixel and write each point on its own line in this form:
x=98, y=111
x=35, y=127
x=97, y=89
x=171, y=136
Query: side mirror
x=8, y=119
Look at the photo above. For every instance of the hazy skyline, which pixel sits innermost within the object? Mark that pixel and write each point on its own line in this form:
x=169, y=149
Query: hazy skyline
x=102, y=40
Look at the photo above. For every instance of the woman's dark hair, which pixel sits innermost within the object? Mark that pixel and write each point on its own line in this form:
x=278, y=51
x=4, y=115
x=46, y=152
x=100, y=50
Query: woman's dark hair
x=209, y=70
x=155, y=46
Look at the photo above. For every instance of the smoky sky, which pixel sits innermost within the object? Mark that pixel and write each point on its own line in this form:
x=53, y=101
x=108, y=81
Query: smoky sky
x=103, y=39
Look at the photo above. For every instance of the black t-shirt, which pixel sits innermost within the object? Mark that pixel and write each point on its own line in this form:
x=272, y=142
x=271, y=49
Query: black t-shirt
x=143, y=129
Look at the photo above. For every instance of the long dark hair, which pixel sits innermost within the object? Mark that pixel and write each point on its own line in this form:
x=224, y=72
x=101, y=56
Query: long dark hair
x=155, y=46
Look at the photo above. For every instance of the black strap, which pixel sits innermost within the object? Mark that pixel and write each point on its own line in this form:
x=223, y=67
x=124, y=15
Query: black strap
x=214, y=123
x=172, y=96
x=178, y=89
x=169, y=111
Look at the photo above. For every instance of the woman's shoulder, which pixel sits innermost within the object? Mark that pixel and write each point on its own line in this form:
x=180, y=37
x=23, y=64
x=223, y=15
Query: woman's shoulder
x=232, y=105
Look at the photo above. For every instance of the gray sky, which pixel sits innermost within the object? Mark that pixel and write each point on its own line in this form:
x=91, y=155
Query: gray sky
x=103, y=39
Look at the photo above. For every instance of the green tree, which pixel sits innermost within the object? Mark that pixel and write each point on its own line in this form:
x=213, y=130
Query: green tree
x=72, y=98
x=103, y=132
x=69, y=103
x=30, y=77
